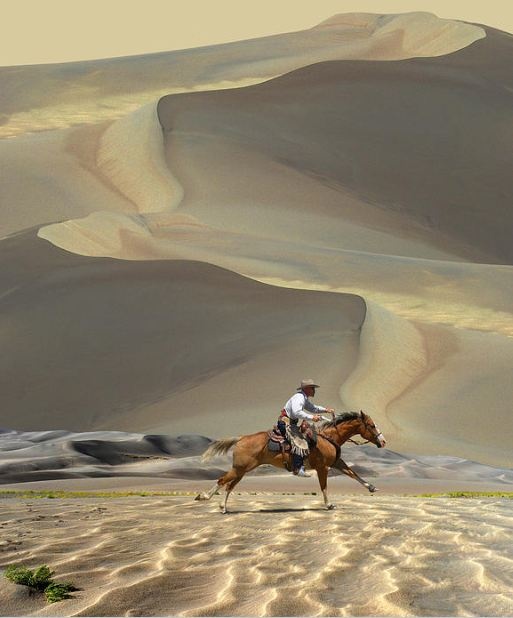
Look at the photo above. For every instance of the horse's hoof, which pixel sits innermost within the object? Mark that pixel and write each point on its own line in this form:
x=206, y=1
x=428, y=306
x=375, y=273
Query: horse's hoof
x=330, y=507
x=199, y=497
x=372, y=489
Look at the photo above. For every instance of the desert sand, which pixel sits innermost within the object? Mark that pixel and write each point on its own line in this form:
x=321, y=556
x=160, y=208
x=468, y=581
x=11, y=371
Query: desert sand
x=184, y=236
x=274, y=555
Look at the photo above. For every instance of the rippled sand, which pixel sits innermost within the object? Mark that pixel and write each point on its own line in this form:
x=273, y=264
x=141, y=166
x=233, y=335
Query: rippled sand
x=275, y=555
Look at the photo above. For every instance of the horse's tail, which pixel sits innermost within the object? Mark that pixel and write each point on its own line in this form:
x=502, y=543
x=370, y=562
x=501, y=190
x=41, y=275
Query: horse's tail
x=219, y=448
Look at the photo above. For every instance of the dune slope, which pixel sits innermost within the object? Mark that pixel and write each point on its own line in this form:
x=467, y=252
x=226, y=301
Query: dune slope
x=143, y=345
x=372, y=174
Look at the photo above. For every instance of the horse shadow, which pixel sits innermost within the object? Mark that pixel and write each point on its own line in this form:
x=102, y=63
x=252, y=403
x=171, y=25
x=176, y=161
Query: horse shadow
x=277, y=510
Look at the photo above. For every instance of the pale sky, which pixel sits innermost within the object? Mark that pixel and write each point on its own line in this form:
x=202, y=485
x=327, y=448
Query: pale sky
x=41, y=31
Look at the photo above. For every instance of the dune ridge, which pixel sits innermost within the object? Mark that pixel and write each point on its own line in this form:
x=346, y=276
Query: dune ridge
x=131, y=155
x=376, y=381
x=418, y=33
x=100, y=90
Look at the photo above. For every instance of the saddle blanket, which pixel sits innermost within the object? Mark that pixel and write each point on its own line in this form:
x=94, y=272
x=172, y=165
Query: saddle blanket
x=277, y=442
x=299, y=439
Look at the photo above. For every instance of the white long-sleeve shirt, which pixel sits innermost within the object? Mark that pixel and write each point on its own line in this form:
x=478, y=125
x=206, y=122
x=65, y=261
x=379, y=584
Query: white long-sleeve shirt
x=296, y=406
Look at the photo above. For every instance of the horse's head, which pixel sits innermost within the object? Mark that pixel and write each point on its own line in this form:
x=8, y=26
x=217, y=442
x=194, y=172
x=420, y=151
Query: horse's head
x=355, y=423
x=369, y=431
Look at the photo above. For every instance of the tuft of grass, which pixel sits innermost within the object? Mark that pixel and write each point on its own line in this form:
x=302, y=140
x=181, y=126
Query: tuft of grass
x=40, y=580
x=42, y=577
x=468, y=494
x=58, y=493
x=19, y=575
x=58, y=591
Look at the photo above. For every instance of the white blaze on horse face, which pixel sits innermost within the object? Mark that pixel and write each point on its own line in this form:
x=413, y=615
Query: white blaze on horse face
x=380, y=438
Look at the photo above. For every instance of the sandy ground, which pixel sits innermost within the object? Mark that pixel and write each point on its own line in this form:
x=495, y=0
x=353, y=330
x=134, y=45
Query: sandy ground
x=274, y=555
x=265, y=484
x=186, y=235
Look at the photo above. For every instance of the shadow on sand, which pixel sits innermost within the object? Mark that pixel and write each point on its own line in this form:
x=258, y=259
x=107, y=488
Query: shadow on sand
x=277, y=510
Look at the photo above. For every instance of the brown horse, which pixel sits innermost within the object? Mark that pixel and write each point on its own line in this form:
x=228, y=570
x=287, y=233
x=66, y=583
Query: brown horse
x=251, y=451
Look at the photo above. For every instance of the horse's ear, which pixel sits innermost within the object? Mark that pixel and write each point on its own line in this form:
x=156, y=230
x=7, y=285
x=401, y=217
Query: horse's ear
x=362, y=414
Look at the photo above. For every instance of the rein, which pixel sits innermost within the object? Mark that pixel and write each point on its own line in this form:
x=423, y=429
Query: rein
x=337, y=447
x=348, y=440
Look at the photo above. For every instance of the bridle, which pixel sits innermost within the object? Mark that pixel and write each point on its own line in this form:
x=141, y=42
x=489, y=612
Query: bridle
x=368, y=427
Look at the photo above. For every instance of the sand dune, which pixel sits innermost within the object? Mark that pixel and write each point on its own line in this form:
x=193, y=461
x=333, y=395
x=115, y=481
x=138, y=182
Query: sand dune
x=341, y=216
x=378, y=556
x=220, y=144
x=94, y=91
x=325, y=131
x=186, y=235
x=189, y=345
x=365, y=183
x=41, y=457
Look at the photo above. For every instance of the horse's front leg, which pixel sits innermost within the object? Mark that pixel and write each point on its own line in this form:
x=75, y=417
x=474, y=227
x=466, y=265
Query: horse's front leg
x=343, y=467
x=322, y=474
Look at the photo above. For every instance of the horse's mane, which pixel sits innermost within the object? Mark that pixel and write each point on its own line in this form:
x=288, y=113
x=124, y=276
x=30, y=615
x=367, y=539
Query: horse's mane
x=343, y=417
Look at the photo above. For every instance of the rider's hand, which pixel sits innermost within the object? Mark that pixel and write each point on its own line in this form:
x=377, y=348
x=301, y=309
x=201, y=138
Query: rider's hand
x=316, y=418
x=330, y=410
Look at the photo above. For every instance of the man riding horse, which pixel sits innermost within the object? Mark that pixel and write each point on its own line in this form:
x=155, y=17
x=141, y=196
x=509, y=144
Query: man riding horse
x=290, y=428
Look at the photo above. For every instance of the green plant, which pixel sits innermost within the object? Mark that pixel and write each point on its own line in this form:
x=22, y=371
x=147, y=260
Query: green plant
x=42, y=577
x=468, y=494
x=41, y=580
x=57, y=592
x=54, y=494
x=19, y=575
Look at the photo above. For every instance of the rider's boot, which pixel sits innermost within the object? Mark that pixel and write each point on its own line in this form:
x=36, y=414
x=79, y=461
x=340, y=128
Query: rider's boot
x=298, y=467
x=301, y=472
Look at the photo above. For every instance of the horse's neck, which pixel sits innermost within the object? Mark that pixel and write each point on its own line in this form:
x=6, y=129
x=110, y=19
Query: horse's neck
x=342, y=433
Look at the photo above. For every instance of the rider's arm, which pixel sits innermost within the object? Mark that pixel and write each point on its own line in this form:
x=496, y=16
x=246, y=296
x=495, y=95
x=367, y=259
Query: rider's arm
x=308, y=405
x=297, y=405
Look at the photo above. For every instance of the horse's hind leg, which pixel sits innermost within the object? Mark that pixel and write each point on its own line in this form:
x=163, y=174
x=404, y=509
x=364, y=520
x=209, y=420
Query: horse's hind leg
x=229, y=489
x=223, y=480
x=234, y=476
x=208, y=494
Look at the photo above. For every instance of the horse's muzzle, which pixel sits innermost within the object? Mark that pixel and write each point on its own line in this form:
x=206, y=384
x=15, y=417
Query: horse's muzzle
x=380, y=441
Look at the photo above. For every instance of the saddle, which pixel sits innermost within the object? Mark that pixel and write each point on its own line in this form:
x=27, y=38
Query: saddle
x=276, y=441
x=299, y=439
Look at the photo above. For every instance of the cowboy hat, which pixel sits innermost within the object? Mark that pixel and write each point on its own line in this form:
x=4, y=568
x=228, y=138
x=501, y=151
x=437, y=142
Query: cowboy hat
x=308, y=382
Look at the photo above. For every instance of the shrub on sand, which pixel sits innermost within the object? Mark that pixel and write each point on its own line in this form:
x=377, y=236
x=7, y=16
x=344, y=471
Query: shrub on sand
x=57, y=592
x=41, y=580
